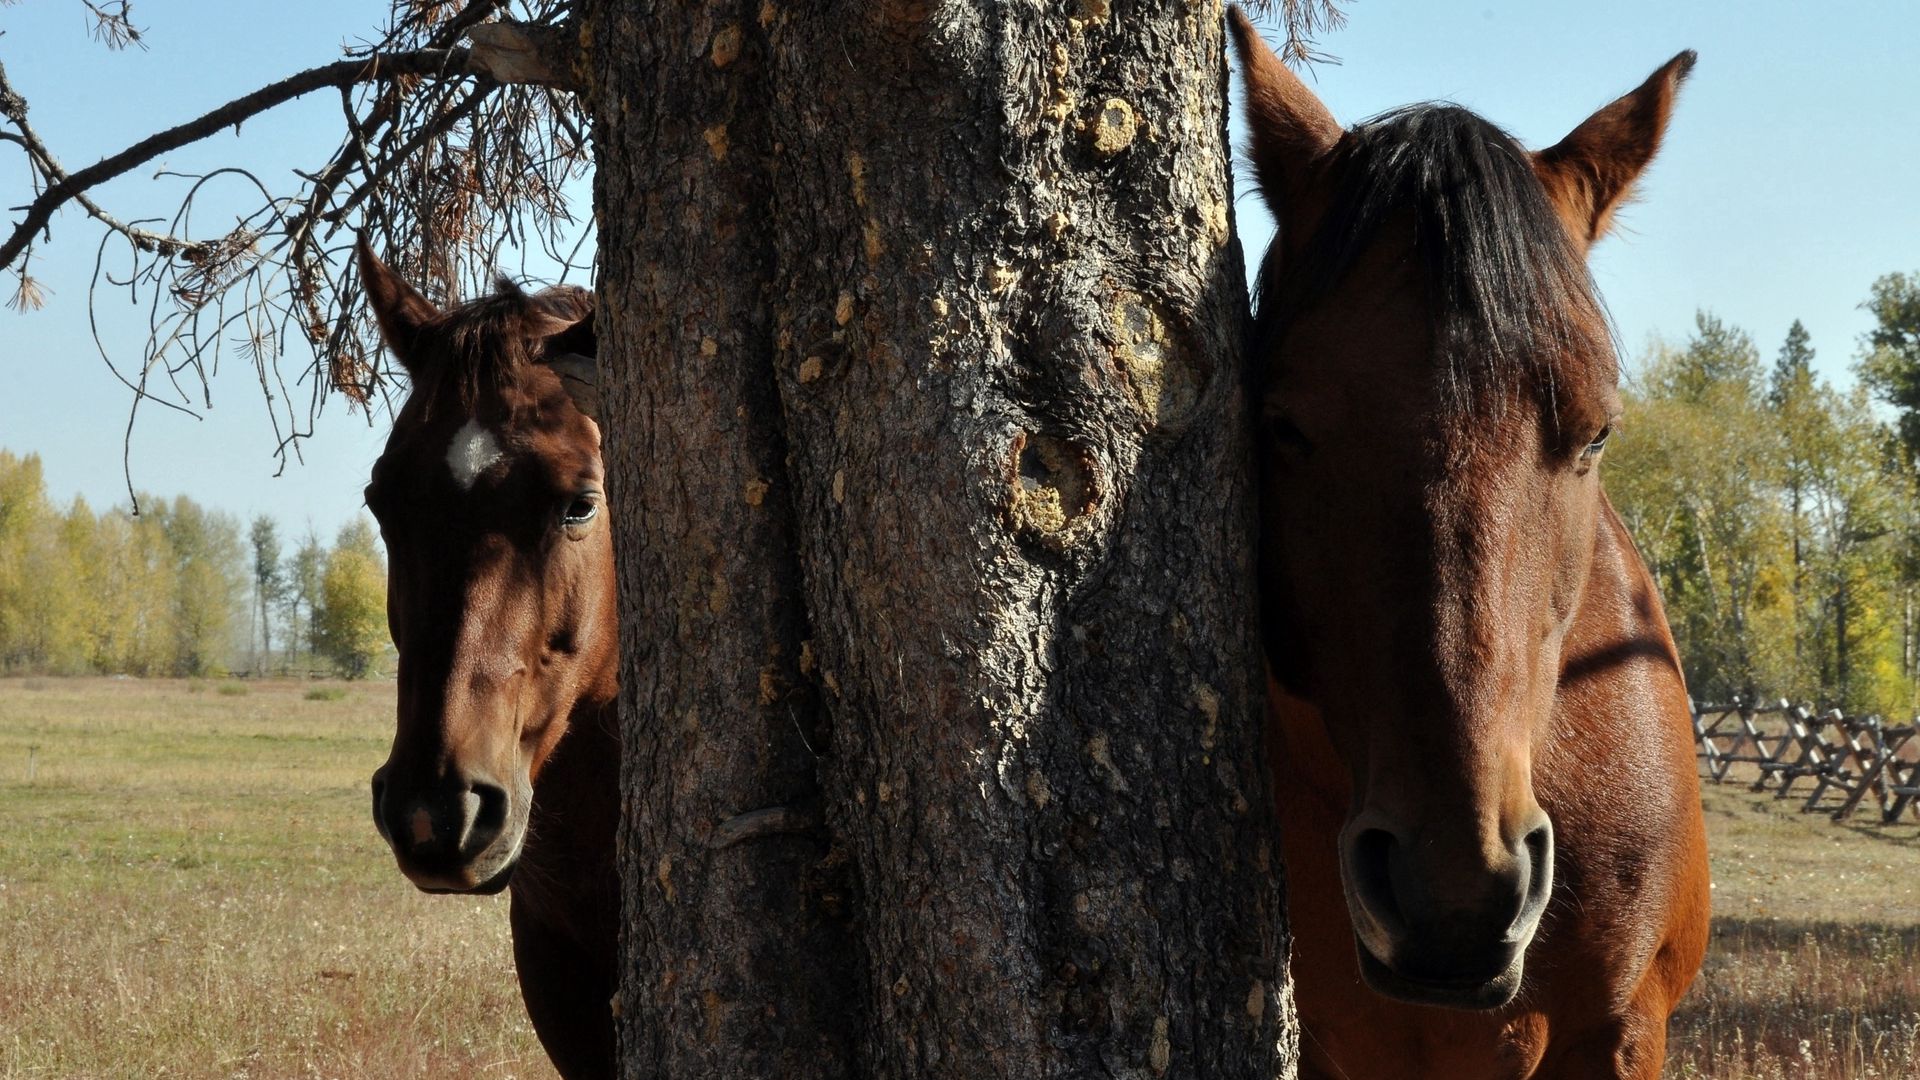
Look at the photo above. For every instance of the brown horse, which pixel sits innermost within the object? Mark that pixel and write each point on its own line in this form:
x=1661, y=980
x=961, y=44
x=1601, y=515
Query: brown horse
x=500, y=596
x=1482, y=749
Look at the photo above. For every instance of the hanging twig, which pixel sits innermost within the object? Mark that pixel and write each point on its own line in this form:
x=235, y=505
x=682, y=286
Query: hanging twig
x=447, y=152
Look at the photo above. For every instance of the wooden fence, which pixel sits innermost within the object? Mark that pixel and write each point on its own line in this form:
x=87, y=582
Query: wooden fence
x=1835, y=764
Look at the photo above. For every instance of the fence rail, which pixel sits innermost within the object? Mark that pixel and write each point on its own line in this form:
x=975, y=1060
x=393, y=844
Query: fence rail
x=1845, y=762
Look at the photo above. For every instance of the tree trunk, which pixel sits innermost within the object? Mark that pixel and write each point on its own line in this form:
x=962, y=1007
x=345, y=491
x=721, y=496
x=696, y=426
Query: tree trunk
x=737, y=953
x=1799, y=574
x=1842, y=648
x=266, y=635
x=1906, y=632
x=921, y=325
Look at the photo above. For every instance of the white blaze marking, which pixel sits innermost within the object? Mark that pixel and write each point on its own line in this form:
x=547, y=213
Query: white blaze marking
x=474, y=449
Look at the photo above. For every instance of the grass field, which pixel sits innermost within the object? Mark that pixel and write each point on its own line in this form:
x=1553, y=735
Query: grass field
x=190, y=886
x=1814, y=968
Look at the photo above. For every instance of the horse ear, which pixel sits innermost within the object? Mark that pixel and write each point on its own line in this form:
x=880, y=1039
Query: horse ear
x=573, y=336
x=1292, y=129
x=570, y=346
x=578, y=339
x=1589, y=173
x=580, y=376
x=397, y=306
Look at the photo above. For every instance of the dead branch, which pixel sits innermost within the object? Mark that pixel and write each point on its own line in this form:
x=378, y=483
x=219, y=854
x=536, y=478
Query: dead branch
x=451, y=153
x=440, y=63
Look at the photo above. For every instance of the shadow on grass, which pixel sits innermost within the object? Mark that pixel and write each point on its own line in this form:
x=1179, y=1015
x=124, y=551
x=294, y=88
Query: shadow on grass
x=1820, y=1000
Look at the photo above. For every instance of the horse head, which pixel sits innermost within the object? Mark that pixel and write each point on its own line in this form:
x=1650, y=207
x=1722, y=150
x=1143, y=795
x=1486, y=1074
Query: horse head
x=1437, y=383
x=490, y=497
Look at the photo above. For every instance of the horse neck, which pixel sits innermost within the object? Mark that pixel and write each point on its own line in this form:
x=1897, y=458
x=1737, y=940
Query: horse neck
x=584, y=772
x=1299, y=749
x=1620, y=614
x=576, y=800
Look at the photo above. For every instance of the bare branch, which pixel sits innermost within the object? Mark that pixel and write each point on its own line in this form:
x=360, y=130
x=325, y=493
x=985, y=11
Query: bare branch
x=14, y=108
x=446, y=156
x=113, y=24
x=444, y=63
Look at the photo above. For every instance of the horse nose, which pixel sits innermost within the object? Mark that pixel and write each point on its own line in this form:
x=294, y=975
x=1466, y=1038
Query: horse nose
x=1449, y=913
x=441, y=826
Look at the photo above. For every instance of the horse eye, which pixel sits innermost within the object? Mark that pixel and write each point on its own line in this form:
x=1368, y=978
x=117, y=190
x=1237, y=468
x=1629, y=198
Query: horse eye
x=1599, y=442
x=582, y=509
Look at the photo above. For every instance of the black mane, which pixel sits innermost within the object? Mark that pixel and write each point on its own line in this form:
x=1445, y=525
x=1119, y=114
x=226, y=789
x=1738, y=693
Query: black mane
x=1507, y=290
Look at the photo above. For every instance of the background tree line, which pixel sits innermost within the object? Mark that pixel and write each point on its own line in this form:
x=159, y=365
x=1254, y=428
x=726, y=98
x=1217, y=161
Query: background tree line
x=178, y=589
x=1781, y=514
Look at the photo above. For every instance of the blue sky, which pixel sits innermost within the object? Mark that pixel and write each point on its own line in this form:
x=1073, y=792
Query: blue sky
x=1789, y=181
x=1790, y=177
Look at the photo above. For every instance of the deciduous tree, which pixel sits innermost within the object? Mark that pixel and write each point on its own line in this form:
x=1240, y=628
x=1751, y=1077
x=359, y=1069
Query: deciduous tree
x=351, y=618
x=306, y=569
x=269, y=582
x=205, y=552
x=1792, y=397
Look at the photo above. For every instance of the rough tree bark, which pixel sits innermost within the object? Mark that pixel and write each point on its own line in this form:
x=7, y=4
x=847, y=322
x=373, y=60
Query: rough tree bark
x=919, y=323
x=737, y=949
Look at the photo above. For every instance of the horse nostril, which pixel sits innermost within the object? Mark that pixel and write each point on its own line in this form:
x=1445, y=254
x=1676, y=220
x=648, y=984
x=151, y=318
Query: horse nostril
x=1539, y=843
x=1370, y=862
x=1539, y=848
x=487, y=806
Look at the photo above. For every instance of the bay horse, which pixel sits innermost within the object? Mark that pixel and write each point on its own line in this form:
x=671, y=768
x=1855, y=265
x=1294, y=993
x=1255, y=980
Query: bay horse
x=500, y=598
x=1479, y=729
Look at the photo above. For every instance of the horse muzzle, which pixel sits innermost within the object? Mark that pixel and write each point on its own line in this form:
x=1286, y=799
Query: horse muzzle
x=1456, y=939
x=455, y=833
x=1488, y=981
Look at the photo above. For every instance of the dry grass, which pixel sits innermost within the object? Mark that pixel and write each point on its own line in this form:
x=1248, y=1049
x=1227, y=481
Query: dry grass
x=190, y=887
x=1814, y=968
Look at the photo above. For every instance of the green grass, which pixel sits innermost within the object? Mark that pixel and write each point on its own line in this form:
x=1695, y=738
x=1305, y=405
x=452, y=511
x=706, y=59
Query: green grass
x=191, y=886
x=326, y=693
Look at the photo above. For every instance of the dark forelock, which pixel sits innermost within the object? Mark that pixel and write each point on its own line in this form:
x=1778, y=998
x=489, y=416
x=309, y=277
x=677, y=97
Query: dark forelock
x=480, y=348
x=1509, y=294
